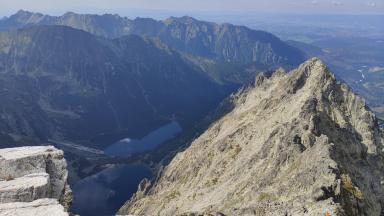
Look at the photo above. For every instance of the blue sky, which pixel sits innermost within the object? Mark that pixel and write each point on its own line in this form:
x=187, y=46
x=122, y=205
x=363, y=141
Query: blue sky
x=56, y=7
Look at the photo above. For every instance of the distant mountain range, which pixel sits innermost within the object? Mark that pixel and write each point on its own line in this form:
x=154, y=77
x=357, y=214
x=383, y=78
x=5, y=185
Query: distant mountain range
x=239, y=45
x=96, y=78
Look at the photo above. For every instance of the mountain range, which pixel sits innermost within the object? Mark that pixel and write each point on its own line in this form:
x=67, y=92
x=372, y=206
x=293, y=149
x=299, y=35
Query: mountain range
x=286, y=143
x=243, y=48
x=94, y=79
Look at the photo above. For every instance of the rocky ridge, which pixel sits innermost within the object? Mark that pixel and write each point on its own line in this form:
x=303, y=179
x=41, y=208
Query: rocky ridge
x=33, y=181
x=297, y=143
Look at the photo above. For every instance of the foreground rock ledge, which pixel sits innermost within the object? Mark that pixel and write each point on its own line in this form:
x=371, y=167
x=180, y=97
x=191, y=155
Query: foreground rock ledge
x=33, y=181
x=40, y=207
x=297, y=143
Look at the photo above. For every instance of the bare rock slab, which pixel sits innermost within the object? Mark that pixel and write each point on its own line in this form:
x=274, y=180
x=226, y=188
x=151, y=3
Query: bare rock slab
x=40, y=207
x=32, y=173
x=25, y=189
x=18, y=162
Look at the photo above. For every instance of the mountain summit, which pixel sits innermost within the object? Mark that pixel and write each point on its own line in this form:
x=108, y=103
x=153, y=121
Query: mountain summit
x=297, y=143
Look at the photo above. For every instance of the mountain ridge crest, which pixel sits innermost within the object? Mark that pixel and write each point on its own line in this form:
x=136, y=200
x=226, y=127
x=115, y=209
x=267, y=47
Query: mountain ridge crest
x=297, y=143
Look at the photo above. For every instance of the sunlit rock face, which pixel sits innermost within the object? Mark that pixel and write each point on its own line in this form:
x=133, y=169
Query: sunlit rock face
x=33, y=179
x=297, y=143
x=40, y=207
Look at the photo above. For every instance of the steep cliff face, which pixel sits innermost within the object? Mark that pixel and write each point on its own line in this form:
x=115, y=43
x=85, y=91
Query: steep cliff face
x=33, y=181
x=297, y=143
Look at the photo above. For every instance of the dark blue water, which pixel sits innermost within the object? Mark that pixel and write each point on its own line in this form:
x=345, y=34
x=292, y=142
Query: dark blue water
x=104, y=193
x=149, y=142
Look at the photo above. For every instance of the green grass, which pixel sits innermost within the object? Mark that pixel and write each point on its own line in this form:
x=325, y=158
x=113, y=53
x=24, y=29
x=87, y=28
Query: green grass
x=266, y=196
x=173, y=195
x=347, y=185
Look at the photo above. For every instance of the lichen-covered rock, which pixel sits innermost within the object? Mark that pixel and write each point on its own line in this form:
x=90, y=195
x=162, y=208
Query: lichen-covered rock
x=40, y=207
x=31, y=173
x=297, y=143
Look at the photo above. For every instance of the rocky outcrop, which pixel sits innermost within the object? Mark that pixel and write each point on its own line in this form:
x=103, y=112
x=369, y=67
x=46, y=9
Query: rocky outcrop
x=297, y=143
x=40, y=207
x=33, y=179
x=26, y=188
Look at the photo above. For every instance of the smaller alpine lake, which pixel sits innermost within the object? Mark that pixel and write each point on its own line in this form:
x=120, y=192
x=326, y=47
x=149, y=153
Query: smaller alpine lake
x=104, y=193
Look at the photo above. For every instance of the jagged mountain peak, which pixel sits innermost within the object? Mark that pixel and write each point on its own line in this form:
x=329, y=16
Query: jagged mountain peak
x=26, y=17
x=70, y=13
x=22, y=12
x=184, y=19
x=316, y=85
x=297, y=143
x=105, y=15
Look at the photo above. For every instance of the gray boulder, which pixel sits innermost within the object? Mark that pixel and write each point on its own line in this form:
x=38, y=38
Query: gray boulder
x=28, y=176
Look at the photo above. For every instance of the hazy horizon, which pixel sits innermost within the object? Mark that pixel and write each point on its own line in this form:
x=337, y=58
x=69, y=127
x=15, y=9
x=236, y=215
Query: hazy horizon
x=233, y=17
x=190, y=7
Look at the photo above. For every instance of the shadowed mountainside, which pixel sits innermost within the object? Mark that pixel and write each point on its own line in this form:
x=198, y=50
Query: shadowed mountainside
x=62, y=83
